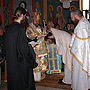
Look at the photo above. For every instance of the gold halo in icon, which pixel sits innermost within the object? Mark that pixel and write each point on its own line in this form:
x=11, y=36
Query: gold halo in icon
x=59, y=8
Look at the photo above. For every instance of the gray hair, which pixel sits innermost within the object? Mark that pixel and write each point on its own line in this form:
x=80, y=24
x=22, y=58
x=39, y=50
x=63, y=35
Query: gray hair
x=77, y=12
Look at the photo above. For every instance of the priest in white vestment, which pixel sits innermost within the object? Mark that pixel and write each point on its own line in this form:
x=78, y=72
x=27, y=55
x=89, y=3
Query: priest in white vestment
x=80, y=49
x=62, y=44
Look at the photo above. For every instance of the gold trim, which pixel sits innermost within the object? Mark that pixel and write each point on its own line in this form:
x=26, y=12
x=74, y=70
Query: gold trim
x=54, y=72
x=88, y=76
x=70, y=46
x=39, y=33
x=53, y=60
x=86, y=72
x=79, y=62
x=32, y=30
x=81, y=18
x=81, y=38
x=76, y=58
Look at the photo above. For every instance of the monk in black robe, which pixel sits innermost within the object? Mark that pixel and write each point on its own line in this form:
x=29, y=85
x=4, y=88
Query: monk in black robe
x=20, y=56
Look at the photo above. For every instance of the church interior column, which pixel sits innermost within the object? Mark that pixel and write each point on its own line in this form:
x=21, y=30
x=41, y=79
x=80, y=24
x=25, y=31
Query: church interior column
x=81, y=4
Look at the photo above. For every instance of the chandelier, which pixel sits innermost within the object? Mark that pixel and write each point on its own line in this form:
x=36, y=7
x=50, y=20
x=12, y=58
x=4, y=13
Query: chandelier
x=66, y=3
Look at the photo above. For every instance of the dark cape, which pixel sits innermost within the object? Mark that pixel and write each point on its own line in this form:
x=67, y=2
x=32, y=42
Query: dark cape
x=20, y=58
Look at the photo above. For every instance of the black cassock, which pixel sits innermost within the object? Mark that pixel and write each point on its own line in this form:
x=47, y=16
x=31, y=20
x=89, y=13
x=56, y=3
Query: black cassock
x=20, y=59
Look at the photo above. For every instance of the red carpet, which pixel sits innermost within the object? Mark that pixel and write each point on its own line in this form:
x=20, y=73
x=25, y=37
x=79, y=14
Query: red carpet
x=51, y=80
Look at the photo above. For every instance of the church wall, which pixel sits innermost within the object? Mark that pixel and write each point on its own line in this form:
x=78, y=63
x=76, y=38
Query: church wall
x=31, y=6
x=65, y=12
x=10, y=5
x=0, y=11
x=28, y=7
x=39, y=5
x=6, y=12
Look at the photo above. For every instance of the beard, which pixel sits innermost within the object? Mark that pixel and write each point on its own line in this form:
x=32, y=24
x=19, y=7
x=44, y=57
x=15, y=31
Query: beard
x=36, y=25
x=22, y=21
x=76, y=22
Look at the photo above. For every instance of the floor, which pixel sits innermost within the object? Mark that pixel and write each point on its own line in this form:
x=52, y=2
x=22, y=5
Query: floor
x=4, y=87
x=38, y=87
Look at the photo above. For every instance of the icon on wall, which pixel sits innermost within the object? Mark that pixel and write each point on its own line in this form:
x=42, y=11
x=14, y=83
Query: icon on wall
x=72, y=7
x=51, y=14
x=59, y=8
x=24, y=5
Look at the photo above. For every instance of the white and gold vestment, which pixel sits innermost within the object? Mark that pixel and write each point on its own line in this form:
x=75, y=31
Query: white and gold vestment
x=80, y=49
x=40, y=50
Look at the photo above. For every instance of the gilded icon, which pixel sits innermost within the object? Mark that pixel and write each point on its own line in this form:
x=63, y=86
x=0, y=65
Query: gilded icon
x=72, y=7
x=59, y=8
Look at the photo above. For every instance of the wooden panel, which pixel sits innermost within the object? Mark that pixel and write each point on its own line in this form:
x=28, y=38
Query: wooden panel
x=45, y=14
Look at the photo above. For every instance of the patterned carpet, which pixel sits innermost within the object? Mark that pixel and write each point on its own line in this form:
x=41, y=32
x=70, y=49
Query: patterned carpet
x=51, y=80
